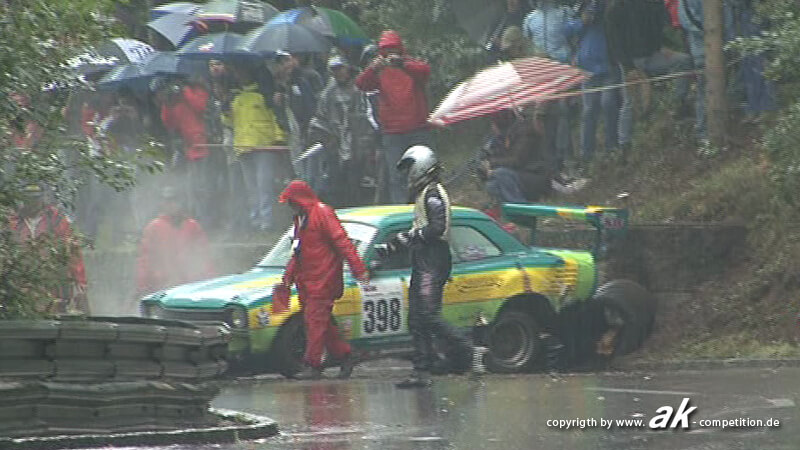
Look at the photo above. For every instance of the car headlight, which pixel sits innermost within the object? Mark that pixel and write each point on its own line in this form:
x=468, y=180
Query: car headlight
x=151, y=310
x=237, y=317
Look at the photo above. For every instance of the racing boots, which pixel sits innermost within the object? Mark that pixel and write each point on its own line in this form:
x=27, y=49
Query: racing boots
x=346, y=368
x=417, y=379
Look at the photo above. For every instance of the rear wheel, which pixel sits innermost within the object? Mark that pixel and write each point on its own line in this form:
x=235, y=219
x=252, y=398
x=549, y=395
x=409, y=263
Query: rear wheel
x=289, y=347
x=513, y=341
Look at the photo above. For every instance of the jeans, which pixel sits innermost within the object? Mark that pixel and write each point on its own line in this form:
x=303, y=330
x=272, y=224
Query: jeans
x=200, y=181
x=504, y=186
x=698, y=58
x=258, y=170
x=608, y=100
x=557, y=132
x=760, y=91
x=394, y=146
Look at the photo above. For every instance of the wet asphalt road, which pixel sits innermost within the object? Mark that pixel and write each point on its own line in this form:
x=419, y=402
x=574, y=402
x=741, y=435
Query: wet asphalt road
x=511, y=412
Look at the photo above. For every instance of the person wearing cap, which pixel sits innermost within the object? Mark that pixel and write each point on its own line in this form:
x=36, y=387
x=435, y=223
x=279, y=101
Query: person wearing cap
x=37, y=218
x=342, y=125
x=402, y=104
x=174, y=249
x=320, y=247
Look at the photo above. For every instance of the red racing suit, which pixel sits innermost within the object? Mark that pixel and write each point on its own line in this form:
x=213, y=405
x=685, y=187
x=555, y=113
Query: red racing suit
x=186, y=116
x=320, y=248
x=51, y=221
x=172, y=252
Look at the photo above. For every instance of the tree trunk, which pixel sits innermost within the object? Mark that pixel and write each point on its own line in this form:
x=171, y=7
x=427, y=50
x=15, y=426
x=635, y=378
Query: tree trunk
x=716, y=109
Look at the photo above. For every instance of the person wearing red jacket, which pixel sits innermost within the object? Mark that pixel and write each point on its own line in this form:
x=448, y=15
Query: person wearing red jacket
x=174, y=249
x=37, y=218
x=402, y=105
x=320, y=248
x=183, y=112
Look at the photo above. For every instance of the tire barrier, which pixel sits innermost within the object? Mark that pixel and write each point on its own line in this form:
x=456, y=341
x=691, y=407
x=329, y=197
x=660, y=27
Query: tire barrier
x=41, y=408
x=100, y=349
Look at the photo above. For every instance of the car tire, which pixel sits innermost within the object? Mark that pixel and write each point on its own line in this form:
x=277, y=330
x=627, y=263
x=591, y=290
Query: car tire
x=513, y=341
x=635, y=306
x=289, y=347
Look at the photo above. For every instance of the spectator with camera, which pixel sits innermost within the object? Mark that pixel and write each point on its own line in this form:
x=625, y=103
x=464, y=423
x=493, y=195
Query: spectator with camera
x=402, y=105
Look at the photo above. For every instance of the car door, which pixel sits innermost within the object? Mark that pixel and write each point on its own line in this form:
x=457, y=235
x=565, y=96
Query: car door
x=384, y=310
x=479, y=275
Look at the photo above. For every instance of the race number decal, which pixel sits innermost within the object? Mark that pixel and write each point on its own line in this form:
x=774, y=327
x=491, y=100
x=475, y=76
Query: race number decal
x=383, y=310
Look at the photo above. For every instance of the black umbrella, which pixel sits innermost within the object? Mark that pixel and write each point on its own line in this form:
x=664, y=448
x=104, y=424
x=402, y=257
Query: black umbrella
x=213, y=46
x=289, y=37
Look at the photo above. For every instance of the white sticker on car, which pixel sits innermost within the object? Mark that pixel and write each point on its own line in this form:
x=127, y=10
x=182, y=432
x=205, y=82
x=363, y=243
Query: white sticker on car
x=383, y=310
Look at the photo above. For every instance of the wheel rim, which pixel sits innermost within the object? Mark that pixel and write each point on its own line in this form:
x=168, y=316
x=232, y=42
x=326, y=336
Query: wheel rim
x=511, y=344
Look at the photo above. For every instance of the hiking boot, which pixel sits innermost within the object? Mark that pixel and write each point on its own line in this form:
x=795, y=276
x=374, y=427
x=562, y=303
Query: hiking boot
x=309, y=373
x=347, y=366
x=417, y=379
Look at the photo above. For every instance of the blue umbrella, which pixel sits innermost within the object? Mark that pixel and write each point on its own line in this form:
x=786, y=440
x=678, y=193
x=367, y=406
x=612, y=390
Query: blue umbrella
x=130, y=75
x=175, y=27
x=289, y=37
x=214, y=46
x=174, y=7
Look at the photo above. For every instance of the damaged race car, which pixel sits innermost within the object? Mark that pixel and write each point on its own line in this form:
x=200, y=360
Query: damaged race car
x=533, y=307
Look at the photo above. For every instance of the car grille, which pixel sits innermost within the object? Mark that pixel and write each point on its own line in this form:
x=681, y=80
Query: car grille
x=194, y=315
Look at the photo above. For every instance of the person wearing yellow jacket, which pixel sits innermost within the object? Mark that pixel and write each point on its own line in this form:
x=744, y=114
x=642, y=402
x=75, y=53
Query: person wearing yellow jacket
x=254, y=128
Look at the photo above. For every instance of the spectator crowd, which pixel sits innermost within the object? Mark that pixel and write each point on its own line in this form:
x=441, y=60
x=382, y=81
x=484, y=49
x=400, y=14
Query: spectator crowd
x=236, y=131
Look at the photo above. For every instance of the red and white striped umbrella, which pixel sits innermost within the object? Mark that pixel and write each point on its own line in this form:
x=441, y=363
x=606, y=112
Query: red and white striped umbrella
x=507, y=85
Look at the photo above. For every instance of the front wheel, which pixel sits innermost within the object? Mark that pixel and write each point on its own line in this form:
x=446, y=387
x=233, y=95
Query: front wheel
x=289, y=347
x=513, y=341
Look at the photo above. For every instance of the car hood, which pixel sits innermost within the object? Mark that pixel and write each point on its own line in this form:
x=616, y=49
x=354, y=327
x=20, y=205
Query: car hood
x=243, y=289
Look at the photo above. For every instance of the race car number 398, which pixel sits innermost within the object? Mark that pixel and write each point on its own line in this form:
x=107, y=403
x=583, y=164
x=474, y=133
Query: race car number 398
x=382, y=309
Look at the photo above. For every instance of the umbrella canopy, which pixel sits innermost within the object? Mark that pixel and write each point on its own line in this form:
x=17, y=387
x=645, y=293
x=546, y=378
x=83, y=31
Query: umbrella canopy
x=173, y=8
x=478, y=18
x=289, y=37
x=138, y=75
x=108, y=54
x=176, y=27
x=213, y=46
x=328, y=22
x=237, y=11
x=507, y=85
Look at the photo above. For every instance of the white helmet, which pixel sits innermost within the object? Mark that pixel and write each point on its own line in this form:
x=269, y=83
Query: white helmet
x=421, y=164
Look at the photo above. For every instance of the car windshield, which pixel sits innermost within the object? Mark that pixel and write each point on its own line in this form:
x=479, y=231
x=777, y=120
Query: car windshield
x=360, y=235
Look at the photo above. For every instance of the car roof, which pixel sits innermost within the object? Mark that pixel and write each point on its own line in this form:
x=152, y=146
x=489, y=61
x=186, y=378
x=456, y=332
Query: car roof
x=387, y=215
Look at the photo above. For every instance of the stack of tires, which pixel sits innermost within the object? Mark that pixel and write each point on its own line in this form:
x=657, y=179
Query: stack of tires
x=105, y=375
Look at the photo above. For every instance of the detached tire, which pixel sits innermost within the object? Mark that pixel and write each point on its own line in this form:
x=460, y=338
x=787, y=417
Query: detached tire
x=289, y=347
x=634, y=306
x=513, y=342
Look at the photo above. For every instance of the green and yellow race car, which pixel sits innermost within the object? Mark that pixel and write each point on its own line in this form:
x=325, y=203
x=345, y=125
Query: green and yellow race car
x=511, y=296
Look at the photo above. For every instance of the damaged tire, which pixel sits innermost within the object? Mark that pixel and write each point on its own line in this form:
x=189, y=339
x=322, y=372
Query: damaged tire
x=628, y=306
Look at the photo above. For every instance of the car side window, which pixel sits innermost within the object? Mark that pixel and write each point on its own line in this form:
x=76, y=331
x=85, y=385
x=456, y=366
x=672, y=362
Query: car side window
x=399, y=259
x=469, y=244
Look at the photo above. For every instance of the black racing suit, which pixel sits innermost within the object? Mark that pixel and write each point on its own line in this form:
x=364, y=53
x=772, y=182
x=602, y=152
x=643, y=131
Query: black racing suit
x=430, y=269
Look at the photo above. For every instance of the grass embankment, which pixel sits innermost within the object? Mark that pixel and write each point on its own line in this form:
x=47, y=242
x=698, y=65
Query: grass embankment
x=748, y=311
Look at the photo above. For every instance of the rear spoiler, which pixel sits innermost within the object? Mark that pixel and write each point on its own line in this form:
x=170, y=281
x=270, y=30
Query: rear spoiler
x=608, y=222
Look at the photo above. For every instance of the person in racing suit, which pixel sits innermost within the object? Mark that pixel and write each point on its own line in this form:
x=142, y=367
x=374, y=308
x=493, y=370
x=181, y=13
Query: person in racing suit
x=320, y=247
x=431, y=264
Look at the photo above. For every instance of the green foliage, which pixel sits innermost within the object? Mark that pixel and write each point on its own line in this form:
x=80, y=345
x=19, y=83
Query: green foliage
x=37, y=37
